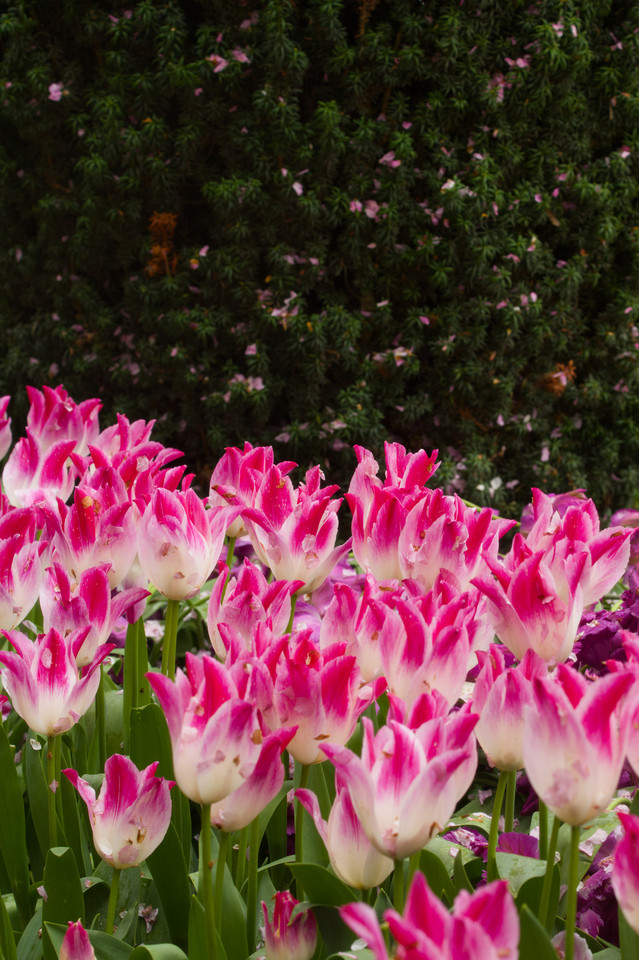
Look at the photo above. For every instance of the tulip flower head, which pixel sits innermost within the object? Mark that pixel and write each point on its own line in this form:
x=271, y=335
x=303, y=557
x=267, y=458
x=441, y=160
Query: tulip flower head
x=131, y=815
x=76, y=944
x=286, y=939
x=625, y=871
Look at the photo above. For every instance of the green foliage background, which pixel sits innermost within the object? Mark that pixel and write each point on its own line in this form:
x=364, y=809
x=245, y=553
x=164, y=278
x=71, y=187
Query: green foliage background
x=394, y=220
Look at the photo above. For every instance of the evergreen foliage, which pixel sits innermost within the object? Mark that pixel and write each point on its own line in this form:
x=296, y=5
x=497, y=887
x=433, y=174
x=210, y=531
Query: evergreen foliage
x=325, y=222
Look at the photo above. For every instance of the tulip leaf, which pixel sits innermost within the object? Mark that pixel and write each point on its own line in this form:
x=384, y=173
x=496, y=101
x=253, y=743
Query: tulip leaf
x=106, y=947
x=534, y=942
x=628, y=940
x=277, y=837
x=73, y=826
x=334, y=932
x=169, y=872
x=158, y=951
x=7, y=939
x=64, y=899
x=30, y=944
x=37, y=790
x=517, y=869
x=460, y=877
x=436, y=875
x=13, y=846
x=197, y=934
x=530, y=892
x=320, y=886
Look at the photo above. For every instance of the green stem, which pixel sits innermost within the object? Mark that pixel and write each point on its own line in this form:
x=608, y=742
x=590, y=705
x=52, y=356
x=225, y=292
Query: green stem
x=289, y=626
x=100, y=720
x=543, y=830
x=51, y=765
x=169, y=645
x=251, y=894
x=491, y=862
x=229, y=557
x=511, y=789
x=571, y=896
x=224, y=841
x=398, y=886
x=206, y=885
x=299, y=825
x=113, y=899
x=240, y=872
x=550, y=867
x=413, y=865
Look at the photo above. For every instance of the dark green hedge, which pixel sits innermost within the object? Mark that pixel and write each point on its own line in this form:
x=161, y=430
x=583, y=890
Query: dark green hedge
x=392, y=219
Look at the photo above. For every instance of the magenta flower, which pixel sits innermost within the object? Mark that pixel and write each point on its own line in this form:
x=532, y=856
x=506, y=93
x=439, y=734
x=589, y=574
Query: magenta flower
x=70, y=606
x=574, y=745
x=179, y=542
x=483, y=924
x=131, y=815
x=54, y=416
x=32, y=475
x=353, y=857
x=5, y=426
x=237, y=477
x=293, y=531
x=403, y=788
x=286, y=938
x=21, y=562
x=43, y=682
x=216, y=736
x=625, y=870
x=76, y=944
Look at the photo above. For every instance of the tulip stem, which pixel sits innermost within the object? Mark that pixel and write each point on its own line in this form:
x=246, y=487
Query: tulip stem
x=224, y=842
x=543, y=830
x=113, y=899
x=289, y=625
x=206, y=887
x=571, y=896
x=299, y=824
x=398, y=886
x=100, y=721
x=169, y=646
x=240, y=871
x=550, y=867
x=229, y=557
x=251, y=894
x=52, y=784
x=413, y=865
x=491, y=862
x=511, y=789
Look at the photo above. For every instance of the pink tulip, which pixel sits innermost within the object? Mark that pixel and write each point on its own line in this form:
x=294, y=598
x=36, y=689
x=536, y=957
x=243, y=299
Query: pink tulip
x=625, y=870
x=69, y=606
x=21, y=563
x=499, y=697
x=216, y=736
x=318, y=691
x=42, y=679
x=286, y=938
x=32, y=476
x=574, y=745
x=631, y=666
x=76, y=944
x=293, y=531
x=403, y=788
x=483, y=924
x=248, y=599
x=237, y=477
x=442, y=533
x=54, y=416
x=353, y=857
x=5, y=426
x=240, y=807
x=179, y=542
x=130, y=817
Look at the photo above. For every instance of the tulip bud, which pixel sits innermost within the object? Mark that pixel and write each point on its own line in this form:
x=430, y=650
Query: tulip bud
x=76, y=944
x=286, y=939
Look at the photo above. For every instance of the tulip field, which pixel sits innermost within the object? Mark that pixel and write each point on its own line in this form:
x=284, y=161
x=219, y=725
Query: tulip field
x=226, y=734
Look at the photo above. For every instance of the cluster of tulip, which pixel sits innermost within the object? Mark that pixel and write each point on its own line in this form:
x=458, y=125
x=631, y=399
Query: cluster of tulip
x=356, y=694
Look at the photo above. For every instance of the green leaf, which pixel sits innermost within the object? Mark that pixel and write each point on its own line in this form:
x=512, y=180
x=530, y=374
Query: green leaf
x=530, y=893
x=628, y=939
x=158, y=951
x=30, y=943
x=517, y=869
x=37, y=790
x=534, y=942
x=13, y=847
x=437, y=877
x=322, y=887
x=460, y=877
x=64, y=891
x=169, y=871
x=7, y=939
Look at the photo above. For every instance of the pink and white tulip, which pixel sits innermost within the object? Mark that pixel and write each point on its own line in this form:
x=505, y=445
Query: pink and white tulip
x=43, y=682
x=22, y=558
x=76, y=944
x=286, y=938
x=237, y=477
x=293, y=531
x=179, y=542
x=625, y=870
x=32, y=476
x=353, y=857
x=131, y=815
x=216, y=736
x=54, y=416
x=574, y=745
